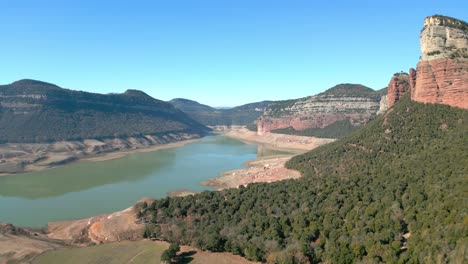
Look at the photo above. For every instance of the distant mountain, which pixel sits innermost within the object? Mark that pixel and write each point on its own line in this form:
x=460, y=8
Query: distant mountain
x=350, y=90
x=240, y=115
x=334, y=113
x=35, y=111
x=187, y=105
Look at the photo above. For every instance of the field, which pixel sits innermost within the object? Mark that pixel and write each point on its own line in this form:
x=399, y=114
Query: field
x=145, y=251
x=121, y=252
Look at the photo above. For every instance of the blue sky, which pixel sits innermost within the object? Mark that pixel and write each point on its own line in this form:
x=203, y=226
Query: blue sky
x=217, y=52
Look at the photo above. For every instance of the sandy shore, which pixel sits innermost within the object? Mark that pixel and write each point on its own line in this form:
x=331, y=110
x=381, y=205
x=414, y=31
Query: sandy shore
x=265, y=169
x=123, y=153
x=268, y=169
x=280, y=141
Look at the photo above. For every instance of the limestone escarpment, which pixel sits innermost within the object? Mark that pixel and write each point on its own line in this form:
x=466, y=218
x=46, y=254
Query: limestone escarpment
x=442, y=37
x=398, y=86
x=383, y=104
x=441, y=76
x=345, y=101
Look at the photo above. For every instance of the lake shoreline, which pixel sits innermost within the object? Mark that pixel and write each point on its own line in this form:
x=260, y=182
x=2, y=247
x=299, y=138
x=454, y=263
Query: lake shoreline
x=124, y=225
x=62, y=159
x=269, y=168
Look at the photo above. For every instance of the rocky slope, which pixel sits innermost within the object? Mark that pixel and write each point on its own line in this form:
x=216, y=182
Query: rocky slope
x=353, y=102
x=441, y=75
x=209, y=116
x=398, y=86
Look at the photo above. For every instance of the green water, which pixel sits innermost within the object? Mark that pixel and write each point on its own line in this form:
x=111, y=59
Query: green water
x=87, y=188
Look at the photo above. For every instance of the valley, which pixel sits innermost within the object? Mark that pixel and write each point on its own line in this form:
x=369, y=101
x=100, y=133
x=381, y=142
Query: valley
x=348, y=175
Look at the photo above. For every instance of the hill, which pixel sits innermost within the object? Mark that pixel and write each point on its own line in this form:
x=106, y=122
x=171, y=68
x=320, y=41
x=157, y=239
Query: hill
x=351, y=90
x=34, y=111
x=334, y=113
x=240, y=115
x=391, y=192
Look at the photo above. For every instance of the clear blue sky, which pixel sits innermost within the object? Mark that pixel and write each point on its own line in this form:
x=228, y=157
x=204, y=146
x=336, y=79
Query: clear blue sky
x=218, y=52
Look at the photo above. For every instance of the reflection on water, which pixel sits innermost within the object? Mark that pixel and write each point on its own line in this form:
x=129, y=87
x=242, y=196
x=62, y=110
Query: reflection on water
x=84, y=175
x=90, y=188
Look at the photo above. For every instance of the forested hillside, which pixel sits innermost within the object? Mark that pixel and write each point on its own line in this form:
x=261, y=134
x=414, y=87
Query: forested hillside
x=240, y=115
x=392, y=192
x=34, y=111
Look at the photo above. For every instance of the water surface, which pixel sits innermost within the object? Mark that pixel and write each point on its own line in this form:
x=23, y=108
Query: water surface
x=88, y=188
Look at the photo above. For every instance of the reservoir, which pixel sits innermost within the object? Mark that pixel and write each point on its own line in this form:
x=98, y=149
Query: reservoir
x=89, y=188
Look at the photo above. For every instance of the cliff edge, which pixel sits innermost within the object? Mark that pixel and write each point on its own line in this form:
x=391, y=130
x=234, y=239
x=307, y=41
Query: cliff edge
x=441, y=76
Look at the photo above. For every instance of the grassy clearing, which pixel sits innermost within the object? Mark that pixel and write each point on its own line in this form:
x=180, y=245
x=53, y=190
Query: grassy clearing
x=122, y=252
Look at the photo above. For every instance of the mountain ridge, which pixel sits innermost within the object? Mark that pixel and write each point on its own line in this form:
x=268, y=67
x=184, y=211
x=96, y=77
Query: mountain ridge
x=34, y=111
x=240, y=115
x=310, y=115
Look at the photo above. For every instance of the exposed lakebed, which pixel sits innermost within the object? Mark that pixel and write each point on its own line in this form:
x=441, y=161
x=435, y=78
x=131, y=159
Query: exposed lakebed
x=90, y=188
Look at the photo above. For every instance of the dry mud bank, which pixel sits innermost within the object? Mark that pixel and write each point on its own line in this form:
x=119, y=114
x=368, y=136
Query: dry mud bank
x=17, y=158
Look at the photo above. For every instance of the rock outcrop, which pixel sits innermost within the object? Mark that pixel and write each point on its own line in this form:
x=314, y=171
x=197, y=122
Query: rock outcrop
x=345, y=101
x=383, y=105
x=441, y=76
x=398, y=86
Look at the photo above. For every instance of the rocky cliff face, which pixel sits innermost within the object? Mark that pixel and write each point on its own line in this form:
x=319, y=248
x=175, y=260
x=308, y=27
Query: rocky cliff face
x=441, y=75
x=383, y=104
x=398, y=86
x=356, y=102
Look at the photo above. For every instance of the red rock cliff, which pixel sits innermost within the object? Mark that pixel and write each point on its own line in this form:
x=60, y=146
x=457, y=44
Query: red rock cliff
x=441, y=76
x=398, y=86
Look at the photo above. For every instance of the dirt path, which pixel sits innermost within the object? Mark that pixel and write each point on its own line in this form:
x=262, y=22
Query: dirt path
x=134, y=257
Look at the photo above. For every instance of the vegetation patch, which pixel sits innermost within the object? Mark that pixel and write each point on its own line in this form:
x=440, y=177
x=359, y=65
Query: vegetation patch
x=432, y=53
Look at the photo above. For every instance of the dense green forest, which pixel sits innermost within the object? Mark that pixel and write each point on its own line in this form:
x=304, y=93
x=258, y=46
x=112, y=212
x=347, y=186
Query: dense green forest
x=34, y=111
x=339, y=129
x=392, y=192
